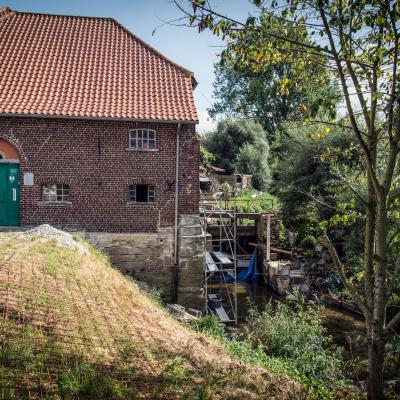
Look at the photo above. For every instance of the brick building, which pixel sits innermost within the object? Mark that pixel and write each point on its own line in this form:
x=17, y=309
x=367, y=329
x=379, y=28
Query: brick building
x=97, y=134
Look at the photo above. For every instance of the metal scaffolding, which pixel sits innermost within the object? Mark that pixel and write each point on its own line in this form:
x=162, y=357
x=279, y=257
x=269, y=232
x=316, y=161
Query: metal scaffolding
x=220, y=261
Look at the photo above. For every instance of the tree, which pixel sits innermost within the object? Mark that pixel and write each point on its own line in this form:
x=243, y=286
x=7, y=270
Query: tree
x=240, y=145
x=244, y=93
x=252, y=159
x=206, y=158
x=357, y=43
x=305, y=178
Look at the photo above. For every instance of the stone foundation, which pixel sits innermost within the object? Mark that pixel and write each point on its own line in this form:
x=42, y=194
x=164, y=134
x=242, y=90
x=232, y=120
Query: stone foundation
x=190, y=285
x=147, y=257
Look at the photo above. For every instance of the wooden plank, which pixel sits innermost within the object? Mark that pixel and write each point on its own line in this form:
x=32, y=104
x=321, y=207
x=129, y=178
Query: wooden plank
x=268, y=237
x=227, y=255
x=210, y=262
x=278, y=250
x=221, y=313
x=221, y=258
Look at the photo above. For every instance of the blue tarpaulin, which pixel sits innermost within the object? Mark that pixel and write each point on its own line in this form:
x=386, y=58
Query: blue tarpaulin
x=246, y=274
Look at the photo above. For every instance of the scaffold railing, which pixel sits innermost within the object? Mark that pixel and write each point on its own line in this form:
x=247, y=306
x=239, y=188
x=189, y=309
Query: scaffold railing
x=220, y=261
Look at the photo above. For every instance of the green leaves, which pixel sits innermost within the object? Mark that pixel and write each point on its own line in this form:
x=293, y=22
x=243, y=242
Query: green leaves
x=240, y=145
x=295, y=333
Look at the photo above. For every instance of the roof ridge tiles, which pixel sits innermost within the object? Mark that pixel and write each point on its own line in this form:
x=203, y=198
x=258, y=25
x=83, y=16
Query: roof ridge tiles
x=5, y=12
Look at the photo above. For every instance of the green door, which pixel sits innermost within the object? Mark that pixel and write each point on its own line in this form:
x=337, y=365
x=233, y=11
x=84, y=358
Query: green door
x=9, y=194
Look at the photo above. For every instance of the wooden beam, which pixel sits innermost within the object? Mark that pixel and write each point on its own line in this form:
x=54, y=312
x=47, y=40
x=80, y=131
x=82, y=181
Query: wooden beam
x=283, y=251
x=268, y=237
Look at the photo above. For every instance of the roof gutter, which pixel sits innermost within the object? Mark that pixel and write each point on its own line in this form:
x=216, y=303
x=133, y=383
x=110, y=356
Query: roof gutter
x=47, y=116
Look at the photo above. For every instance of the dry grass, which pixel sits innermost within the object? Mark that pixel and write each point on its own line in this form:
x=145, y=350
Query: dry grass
x=73, y=327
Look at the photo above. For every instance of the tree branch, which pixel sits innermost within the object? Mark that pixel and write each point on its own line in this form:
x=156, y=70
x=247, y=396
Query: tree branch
x=324, y=240
x=349, y=106
x=392, y=323
x=314, y=198
x=274, y=35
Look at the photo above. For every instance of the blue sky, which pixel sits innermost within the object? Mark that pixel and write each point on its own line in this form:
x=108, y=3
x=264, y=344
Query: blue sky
x=185, y=46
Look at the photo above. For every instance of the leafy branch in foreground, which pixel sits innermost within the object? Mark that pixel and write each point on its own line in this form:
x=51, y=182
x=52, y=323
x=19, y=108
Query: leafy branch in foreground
x=357, y=44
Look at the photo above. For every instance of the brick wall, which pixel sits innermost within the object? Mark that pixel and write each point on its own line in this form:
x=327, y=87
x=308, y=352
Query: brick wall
x=92, y=157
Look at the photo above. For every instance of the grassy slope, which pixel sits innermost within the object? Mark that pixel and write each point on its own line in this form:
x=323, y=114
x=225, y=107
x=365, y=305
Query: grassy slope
x=73, y=327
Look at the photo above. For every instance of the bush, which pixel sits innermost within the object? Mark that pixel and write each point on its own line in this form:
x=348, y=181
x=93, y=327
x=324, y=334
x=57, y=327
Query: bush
x=295, y=333
x=206, y=158
x=226, y=189
x=309, y=242
x=210, y=325
x=288, y=339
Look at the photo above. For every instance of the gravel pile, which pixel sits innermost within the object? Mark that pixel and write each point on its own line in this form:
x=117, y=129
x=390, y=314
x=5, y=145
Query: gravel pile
x=62, y=238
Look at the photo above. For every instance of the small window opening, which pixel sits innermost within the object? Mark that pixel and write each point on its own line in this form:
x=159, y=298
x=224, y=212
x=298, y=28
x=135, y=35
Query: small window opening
x=142, y=139
x=141, y=193
x=55, y=192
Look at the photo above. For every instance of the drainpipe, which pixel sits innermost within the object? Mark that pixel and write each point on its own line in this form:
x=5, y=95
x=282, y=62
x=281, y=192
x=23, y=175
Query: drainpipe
x=177, y=194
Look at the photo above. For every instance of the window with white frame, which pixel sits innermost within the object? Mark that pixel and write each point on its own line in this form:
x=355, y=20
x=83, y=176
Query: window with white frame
x=142, y=194
x=55, y=192
x=142, y=139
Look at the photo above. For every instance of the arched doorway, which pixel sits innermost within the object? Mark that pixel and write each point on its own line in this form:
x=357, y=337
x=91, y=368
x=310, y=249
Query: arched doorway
x=9, y=185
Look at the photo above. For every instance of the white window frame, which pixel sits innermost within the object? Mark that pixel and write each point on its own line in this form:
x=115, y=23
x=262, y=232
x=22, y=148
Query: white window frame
x=55, y=193
x=142, y=139
x=151, y=194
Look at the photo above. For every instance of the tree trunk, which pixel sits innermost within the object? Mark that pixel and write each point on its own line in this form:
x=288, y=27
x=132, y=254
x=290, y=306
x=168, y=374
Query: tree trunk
x=375, y=369
x=375, y=326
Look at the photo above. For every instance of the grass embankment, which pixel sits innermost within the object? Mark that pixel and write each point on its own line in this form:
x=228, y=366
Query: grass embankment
x=73, y=327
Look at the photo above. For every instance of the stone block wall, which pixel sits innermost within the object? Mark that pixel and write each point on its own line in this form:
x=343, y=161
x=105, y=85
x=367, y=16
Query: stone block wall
x=190, y=285
x=147, y=257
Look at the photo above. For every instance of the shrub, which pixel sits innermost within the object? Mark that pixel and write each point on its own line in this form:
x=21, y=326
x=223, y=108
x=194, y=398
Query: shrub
x=309, y=242
x=206, y=157
x=295, y=333
x=226, y=189
x=210, y=325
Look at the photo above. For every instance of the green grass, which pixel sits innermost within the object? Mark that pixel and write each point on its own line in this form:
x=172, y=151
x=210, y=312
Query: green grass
x=83, y=380
x=246, y=203
x=77, y=328
x=243, y=349
x=251, y=354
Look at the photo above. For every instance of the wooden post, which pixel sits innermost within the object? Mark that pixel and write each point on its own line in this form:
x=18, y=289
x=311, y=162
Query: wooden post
x=269, y=237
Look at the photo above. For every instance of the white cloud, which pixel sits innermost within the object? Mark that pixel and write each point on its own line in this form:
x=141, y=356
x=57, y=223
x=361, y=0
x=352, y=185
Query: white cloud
x=205, y=122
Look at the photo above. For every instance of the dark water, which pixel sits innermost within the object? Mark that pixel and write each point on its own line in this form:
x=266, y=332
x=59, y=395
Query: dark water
x=345, y=328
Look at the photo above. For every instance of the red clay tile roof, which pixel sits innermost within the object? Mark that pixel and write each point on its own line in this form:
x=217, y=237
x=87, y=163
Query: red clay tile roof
x=52, y=65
